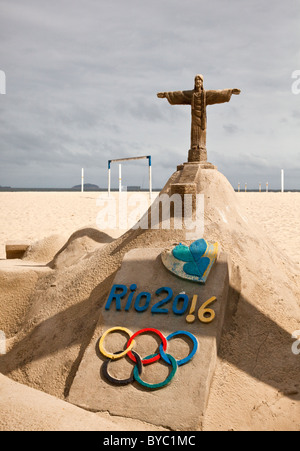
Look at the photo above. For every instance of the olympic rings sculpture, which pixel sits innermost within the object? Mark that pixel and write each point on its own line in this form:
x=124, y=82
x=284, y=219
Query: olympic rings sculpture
x=139, y=362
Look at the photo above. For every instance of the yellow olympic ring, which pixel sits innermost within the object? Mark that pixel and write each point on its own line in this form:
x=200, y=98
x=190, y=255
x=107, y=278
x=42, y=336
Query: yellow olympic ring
x=115, y=356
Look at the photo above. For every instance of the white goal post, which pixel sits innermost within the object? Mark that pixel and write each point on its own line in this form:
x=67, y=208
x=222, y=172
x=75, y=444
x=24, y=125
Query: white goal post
x=118, y=160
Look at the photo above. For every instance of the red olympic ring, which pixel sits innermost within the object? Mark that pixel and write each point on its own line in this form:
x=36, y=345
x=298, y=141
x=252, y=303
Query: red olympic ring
x=156, y=357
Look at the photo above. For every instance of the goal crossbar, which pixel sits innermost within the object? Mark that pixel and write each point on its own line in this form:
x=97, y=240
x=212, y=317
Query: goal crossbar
x=118, y=160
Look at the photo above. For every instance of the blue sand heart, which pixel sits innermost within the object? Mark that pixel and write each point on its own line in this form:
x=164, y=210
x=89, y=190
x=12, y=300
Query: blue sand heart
x=196, y=264
x=197, y=269
x=183, y=253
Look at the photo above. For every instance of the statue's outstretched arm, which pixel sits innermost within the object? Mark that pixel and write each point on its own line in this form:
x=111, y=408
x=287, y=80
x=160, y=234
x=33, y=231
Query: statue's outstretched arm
x=220, y=96
x=177, y=97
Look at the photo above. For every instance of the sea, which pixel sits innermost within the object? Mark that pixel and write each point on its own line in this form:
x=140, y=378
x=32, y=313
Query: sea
x=135, y=189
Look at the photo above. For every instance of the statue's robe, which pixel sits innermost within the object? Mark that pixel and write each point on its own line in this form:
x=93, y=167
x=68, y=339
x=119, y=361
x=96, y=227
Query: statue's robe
x=198, y=102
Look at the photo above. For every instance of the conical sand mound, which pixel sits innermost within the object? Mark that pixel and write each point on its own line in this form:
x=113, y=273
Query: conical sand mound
x=79, y=244
x=257, y=373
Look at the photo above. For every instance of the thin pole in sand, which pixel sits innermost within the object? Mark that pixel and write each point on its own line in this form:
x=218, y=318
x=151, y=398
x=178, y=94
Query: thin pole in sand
x=82, y=180
x=239, y=187
x=150, y=176
x=260, y=187
x=120, y=178
x=267, y=187
x=245, y=187
x=282, y=180
x=109, y=177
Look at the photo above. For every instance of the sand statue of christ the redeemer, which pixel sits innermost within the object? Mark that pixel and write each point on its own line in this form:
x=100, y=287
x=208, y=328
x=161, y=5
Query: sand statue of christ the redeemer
x=198, y=98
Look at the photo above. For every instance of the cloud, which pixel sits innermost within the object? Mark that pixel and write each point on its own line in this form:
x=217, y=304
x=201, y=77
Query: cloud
x=82, y=79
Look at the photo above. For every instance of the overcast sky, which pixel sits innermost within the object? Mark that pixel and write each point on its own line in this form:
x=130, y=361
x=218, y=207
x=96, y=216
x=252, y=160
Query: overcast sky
x=82, y=78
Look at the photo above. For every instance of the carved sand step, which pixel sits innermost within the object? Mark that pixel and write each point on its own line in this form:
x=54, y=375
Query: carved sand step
x=16, y=249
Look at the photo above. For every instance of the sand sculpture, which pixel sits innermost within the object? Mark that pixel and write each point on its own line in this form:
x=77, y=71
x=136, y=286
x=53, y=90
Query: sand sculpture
x=198, y=98
x=233, y=331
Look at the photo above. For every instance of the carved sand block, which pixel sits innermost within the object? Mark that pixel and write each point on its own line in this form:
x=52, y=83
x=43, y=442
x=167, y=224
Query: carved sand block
x=183, y=322
x=15, y=249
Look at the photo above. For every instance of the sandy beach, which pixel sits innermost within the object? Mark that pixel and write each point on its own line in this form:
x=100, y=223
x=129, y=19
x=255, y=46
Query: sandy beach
x=33, y=216
x=244, y=396
x=279, y=215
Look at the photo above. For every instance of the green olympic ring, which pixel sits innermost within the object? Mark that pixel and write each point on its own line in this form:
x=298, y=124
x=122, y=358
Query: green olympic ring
x=161, y=384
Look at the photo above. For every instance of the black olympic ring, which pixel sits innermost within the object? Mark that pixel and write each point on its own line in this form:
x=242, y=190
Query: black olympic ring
x=115, y=381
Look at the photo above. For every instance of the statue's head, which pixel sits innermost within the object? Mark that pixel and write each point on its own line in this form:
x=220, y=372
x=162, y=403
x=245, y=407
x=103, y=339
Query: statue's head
x=198, y=82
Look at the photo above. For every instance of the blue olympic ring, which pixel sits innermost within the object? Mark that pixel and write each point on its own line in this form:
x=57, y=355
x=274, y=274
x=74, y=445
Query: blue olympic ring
x=186, y=359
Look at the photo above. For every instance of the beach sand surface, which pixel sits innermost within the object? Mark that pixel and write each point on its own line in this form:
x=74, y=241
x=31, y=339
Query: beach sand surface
x=48, y=221
x=33, y=216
